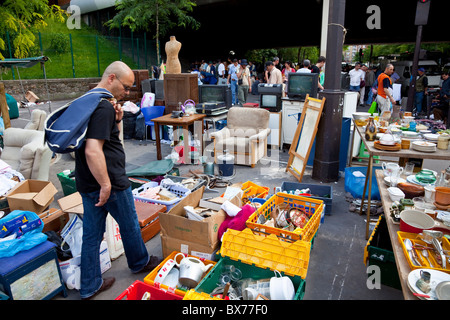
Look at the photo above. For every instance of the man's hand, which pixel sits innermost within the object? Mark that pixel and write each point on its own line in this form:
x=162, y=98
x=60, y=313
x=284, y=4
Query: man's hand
x=105, y=192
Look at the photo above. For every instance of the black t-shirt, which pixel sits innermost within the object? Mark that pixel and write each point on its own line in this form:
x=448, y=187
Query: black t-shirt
x=102, y=126
x=315, y=69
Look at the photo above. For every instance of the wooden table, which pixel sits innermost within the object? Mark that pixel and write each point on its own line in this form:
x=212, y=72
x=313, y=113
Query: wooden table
x=183, y=122
x=403, y=267
x=402, y=153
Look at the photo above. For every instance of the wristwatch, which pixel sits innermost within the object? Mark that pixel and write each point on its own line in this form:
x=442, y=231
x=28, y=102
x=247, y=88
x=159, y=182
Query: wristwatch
x=119, y=121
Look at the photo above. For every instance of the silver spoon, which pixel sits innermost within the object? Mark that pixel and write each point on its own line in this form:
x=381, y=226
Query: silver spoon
x=425, y=254
x=409, y=247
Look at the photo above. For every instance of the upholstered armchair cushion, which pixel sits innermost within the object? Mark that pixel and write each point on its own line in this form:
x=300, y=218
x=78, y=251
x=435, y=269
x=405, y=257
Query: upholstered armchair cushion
x=25, y=151
x=37, y=121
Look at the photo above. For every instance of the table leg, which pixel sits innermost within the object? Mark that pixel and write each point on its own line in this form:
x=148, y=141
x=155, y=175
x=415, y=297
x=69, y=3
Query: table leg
x=187, y=148
x=350, y=158
x=158, y=141
x=369, y=177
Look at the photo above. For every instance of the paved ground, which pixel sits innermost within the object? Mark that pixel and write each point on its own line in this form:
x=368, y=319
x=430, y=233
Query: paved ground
x=336, y=269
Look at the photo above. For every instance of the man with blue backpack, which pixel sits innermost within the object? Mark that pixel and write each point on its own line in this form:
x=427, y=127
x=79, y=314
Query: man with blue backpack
x=104, y=186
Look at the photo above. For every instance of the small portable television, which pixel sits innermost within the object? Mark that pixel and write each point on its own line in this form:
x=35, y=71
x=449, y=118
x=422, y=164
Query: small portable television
x=301, y=84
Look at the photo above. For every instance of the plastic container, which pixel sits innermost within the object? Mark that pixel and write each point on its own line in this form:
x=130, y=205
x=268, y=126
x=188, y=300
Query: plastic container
x=178, y=190
x=317, y=191
x=257, y=257
x=313, y=207
x=379, y=252
x=150, y=278
x=252, y=190
x=68, y=184
x=198, y=185
x=416, y=239
x=137, y=290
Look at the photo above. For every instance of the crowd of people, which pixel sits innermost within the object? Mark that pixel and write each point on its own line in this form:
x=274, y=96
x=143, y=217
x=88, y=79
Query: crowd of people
x=371, y=82
x=244, y=76
x=374, y=84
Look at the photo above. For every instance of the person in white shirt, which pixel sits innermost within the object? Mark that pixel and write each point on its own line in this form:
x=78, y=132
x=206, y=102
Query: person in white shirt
x=356, y=76
x=221, y=73
x=306, y=65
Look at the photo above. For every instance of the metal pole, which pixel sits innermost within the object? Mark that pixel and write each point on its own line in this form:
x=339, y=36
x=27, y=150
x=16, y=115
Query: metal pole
x=326, y=159
x=412, y=84
x=71, y=53
x=98, y=55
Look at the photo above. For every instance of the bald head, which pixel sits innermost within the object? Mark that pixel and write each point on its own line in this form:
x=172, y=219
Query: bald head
x=118, y=68
x=117, y=78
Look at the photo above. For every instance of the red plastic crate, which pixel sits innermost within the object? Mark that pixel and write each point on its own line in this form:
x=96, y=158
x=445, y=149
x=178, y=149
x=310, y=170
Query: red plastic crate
x=138, y=288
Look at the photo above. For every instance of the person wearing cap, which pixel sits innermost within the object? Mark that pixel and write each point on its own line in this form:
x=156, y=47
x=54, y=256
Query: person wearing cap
x=233, y=81
x=421, y=89
x=244, y=85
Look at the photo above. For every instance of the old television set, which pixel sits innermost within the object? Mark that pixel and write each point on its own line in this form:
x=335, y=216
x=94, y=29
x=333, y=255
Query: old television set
x=270, y=101
x=301, y=84
x=214, y=93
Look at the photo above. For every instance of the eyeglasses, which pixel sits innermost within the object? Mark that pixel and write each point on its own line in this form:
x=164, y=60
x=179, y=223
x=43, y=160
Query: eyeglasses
x=126, y=88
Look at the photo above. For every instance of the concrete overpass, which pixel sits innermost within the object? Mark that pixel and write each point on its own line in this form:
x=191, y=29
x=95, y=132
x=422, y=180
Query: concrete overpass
x=240, y=25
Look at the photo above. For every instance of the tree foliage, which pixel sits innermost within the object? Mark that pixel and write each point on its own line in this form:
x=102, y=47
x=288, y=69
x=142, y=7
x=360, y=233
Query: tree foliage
x=158, y=16
x=20, y=20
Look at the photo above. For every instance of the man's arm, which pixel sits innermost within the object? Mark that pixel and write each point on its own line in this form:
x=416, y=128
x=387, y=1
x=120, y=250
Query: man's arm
x=96, y=161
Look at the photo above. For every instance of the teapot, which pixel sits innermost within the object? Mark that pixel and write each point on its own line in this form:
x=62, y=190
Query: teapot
x=191, y=270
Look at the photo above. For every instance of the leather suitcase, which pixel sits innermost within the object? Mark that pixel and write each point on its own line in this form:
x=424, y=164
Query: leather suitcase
x=148, y=217
x=251, y=105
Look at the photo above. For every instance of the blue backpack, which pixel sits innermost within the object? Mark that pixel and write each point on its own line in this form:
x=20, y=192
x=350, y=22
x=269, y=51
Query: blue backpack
x=66, y=127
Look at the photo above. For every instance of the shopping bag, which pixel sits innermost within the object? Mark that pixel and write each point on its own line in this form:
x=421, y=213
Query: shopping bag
x=72, y=234
x=71, y=272
x=373, y=108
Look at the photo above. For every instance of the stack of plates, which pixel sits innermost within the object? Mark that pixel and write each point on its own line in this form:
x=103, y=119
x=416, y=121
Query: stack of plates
x=431, y=137
x=410, y=134
x=424, y=146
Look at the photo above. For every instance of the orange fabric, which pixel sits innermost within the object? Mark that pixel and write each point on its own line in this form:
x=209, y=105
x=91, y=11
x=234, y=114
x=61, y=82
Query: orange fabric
x=380, y=79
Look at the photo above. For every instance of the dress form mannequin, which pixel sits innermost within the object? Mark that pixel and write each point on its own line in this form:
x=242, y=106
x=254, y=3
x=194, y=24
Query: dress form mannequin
x=173, y=64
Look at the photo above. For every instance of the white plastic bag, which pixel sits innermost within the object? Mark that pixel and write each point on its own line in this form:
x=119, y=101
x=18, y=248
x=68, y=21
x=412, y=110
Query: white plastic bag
x=148, y=100
x=72, y=234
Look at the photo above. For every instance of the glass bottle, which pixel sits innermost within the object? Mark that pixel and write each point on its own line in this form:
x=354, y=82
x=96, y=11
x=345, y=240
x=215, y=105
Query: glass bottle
x=371, y=130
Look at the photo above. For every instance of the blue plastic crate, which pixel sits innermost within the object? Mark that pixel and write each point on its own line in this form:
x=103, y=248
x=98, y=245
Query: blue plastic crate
x=322, y=192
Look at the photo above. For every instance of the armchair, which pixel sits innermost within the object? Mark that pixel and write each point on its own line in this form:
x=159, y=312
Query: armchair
x=245, y=135
x=24, y=150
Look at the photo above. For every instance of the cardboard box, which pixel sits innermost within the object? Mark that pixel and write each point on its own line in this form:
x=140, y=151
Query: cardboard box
x=54, y=219
x=31, y=96
x=31, y=195
x=175, y=224
x=170, y=244
x=73, y=203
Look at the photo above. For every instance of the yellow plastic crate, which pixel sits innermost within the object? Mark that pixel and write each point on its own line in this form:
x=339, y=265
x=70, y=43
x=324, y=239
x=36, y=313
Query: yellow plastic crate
x=292, y=258
x=416, y=240
x=193, y=295
x=313, y=208
x=252, y=190
x=150, y=278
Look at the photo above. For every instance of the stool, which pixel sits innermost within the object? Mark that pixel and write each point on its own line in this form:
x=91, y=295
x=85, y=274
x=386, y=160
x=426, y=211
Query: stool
x=363, y=153
x=32, y=274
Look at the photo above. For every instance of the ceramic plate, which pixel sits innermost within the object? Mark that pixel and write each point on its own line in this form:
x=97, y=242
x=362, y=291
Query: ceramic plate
x=412, y=179
x=387, y=180
x=436, y=278
x=431, y=137
x=443, y=290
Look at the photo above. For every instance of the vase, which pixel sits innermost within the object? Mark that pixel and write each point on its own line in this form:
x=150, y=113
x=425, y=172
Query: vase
x=371, y=130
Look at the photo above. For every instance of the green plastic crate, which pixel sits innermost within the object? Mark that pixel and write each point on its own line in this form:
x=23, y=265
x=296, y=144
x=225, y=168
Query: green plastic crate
x=68, y=184
x=379, y=252
x=210, y=281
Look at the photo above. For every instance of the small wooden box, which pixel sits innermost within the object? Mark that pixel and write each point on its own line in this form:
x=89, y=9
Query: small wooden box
x=148, y=216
